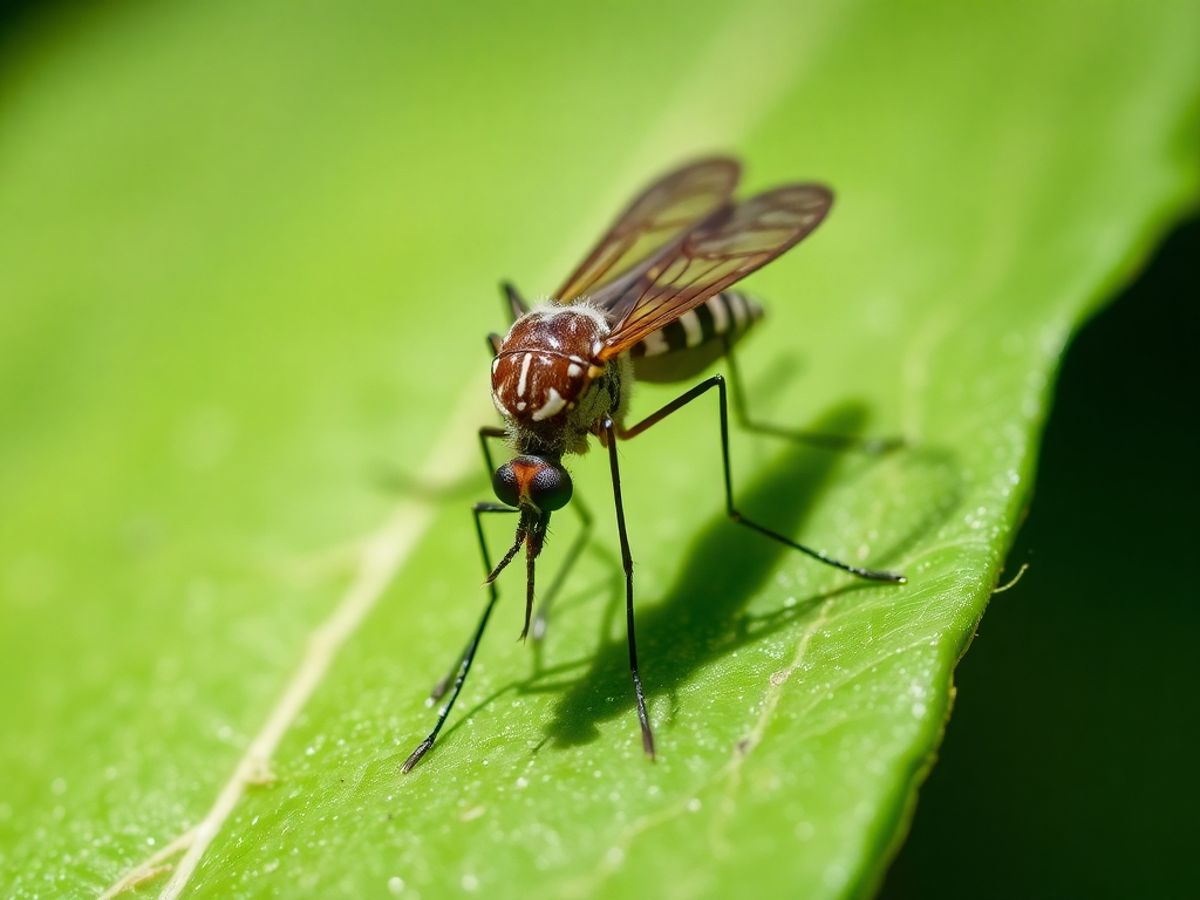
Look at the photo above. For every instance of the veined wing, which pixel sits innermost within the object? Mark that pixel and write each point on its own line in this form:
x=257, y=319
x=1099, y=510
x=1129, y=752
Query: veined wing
x=731, y=243
x=661, y=214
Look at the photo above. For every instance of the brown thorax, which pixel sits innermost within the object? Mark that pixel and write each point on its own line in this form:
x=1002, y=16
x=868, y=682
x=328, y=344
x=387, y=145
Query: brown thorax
x=549, y=383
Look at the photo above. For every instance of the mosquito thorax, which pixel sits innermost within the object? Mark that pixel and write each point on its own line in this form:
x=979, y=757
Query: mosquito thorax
x=532, y=481
x=549, y=382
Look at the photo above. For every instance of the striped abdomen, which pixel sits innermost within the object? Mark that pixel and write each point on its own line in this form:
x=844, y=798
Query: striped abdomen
x=688, y=345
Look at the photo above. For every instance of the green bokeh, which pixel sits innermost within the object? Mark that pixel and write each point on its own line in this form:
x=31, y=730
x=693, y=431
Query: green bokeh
x=247, y=257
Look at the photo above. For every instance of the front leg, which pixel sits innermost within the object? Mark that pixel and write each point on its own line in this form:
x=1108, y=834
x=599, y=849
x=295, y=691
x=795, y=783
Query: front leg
x=513, y=301
x=462, y=666
x=627, y=563
x=486, y=433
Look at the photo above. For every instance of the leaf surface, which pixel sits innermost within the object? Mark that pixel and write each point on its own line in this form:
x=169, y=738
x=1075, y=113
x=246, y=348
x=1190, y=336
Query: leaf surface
x=249, y=254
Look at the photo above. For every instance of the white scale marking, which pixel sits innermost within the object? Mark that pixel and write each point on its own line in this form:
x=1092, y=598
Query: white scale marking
x=574, y=371
x=655, y=343
x=716, y=306
x=554, y=405
x=691, y=328
x=524, y=374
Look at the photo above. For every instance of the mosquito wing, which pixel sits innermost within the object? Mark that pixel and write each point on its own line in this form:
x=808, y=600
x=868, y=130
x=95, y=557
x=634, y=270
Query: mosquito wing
x=731, y=243
x=661, y=214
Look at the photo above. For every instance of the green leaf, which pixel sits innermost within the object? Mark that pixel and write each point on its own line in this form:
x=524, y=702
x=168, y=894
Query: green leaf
x=248, y=254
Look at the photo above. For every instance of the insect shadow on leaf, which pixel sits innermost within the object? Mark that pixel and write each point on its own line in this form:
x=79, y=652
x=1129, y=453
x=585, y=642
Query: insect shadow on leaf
x=701, y=617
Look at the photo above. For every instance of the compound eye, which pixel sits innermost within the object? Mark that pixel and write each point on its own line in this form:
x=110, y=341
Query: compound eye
x=551, y=488
x=504, y=483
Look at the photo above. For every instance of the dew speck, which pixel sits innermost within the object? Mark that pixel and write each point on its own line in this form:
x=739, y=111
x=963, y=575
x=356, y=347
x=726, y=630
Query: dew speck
x=58, y=787
x=395, y=885
x=470, y=883
x=522, y=783
x=918, y=709
x=694, y=805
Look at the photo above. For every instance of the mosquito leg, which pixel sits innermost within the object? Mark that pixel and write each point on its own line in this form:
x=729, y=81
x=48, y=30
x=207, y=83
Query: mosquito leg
x=514, y=307
x=439, y=689
x=542, y=615
x=485, y=433
x=815, y=439
x=627, y=565
x=464, y=664
x=514, y=303
x=718, y=382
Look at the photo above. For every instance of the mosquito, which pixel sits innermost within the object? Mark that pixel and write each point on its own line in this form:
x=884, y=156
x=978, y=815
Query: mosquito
x=651, y=302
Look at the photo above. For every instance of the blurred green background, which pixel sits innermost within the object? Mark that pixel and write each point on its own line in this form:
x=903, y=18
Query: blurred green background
x=248, y=253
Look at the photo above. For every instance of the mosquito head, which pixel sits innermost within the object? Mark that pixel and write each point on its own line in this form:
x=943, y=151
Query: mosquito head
x=533, y=484
x=537, y=486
